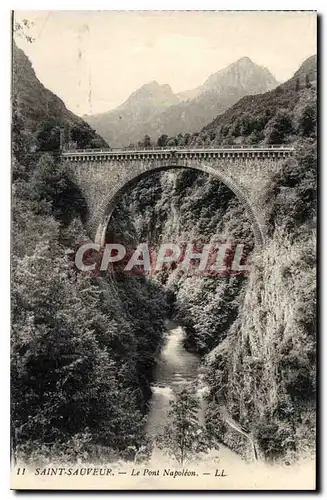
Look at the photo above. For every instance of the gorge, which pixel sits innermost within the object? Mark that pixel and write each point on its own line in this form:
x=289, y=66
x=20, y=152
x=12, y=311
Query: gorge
x=92, y=363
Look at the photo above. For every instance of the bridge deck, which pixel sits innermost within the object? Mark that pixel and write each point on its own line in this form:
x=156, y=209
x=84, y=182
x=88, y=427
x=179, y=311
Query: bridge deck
x=229, y=150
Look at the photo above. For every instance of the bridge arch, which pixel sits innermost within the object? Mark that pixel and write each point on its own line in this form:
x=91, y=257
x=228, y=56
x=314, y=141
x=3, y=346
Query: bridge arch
x=105, y=212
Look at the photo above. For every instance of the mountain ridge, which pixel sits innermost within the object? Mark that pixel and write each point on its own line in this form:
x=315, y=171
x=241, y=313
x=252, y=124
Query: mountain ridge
x=292, y=96
x=169, y=113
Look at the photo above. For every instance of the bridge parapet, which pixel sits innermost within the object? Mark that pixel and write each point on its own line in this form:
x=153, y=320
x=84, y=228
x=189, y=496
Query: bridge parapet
x=181, y=153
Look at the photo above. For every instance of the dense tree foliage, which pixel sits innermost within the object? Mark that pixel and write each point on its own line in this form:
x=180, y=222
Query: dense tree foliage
x=146, y=143
x=162, y=141
x=83, y=347
x=48, y=135
x=270, y=118
x=256, y=334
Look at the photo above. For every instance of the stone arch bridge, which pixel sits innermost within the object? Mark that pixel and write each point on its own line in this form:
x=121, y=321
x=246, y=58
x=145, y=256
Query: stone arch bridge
x=104, y=175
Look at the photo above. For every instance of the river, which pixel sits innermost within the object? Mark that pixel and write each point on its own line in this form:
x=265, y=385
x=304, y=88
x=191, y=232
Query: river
x=177, y=366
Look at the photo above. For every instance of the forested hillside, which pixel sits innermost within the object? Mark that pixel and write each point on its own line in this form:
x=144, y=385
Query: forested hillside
x=40, y=114
x=82, y=348
x=276, y=117
x=256, y=334
x=283, y=115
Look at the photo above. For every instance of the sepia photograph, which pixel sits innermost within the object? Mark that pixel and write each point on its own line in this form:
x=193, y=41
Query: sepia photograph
x=163, y=250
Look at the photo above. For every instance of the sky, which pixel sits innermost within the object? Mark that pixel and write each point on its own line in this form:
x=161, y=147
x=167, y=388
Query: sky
x=93, y=60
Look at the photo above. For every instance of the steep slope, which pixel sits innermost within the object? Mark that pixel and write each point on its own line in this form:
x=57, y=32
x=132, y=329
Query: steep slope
x=35, y=105
x=135, y=118
x=256, y=334
x=81, y=371
x=252, y=118
x=122, y=125
x=308, y=67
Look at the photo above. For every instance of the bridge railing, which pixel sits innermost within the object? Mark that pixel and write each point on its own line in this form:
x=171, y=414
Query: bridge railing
x=182, y=148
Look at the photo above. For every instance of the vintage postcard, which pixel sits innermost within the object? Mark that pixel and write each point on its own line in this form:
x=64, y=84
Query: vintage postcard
x=163, y=248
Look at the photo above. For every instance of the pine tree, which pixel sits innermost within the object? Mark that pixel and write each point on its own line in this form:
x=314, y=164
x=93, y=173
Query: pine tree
x=297, y=84
x=308, y=121
x=146, y=143
x=162, y=141
x=280, y=127
x=183, y=437
x=307, y=81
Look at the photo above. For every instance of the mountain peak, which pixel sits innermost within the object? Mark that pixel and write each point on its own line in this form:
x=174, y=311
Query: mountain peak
x=243, y=73
x=154, y=109
x=244, y=60
x=150, y=85
x=245, y=63
x=154, y=89
x=145, y=102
